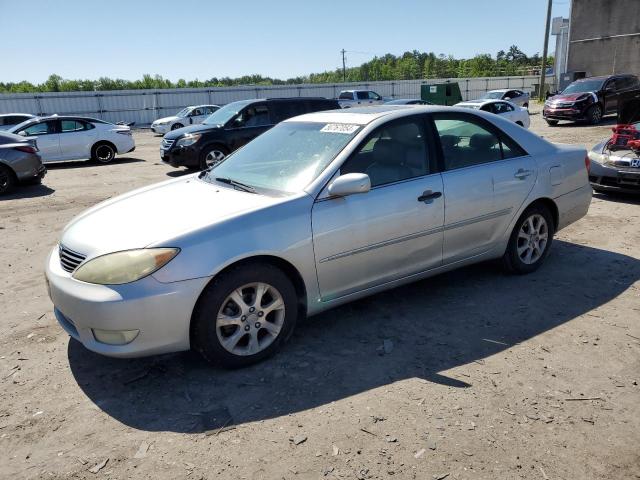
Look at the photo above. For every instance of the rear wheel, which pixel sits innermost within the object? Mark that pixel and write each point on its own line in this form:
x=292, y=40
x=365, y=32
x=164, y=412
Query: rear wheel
x=244, y=315
x=551, y=123
x=530, y=240
x=176, y=126
x=594, y=114
x=526, y=105
x=7, y=180
x=103, y=152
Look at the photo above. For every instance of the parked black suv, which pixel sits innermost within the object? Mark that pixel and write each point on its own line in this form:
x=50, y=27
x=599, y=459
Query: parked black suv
x=226, y=130
x=589, y=99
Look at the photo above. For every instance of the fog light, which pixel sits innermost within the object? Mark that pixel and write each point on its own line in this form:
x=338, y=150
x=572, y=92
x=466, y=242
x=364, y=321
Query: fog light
x=115, y=337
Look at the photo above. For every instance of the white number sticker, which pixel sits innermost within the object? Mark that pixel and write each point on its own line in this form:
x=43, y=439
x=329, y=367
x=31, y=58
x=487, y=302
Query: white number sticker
x=346, y=128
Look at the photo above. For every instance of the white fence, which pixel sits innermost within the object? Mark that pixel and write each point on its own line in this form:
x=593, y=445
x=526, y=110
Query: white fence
x=144, y=106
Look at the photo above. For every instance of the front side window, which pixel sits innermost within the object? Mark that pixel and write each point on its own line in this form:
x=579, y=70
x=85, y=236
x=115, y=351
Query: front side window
x=392, y=153
x=254, y=116
x=363, y=95
x=374, y=96
x=39, y=129
x=467, y=141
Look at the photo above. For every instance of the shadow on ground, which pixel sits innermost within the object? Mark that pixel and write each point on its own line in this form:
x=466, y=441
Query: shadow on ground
x=435, y=325
x=629, y=198
x=605, y=122
x=91, y=163
x=179, y=173
x=28, y=191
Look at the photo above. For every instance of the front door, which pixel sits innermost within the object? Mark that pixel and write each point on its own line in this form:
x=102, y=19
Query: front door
x=390, y=232
x=248, y=124
x=486, y=179
x=47, y=139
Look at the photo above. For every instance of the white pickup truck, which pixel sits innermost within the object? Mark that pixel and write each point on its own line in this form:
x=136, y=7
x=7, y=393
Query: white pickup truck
x=353, y=98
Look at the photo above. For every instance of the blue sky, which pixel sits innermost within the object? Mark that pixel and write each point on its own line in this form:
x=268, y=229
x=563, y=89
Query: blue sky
x=202, y=39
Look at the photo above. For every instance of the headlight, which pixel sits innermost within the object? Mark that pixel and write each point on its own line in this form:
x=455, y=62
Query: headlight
x=188, y=139
x=124, y=267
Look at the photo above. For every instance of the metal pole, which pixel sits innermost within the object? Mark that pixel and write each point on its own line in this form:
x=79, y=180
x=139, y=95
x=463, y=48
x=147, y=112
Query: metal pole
x=541, y=93
x=344, y=69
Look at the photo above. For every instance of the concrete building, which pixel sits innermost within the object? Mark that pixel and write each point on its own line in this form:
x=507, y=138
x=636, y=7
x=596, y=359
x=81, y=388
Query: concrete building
x=604, y=37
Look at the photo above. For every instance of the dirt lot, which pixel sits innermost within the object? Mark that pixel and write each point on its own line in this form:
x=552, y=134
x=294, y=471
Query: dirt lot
x=486, y=376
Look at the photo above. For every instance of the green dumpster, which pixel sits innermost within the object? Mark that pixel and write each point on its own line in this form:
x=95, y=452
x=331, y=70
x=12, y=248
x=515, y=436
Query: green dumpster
x=441, y=93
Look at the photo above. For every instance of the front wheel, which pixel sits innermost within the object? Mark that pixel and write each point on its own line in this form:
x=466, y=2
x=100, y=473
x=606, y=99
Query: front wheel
x=530, y=241
x=176, y=126
x=212, y=156
x=551, y=123
x=244, y=315
x=594, y=114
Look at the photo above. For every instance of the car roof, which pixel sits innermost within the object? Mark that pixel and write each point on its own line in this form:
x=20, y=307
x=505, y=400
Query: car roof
x=502, y=90
x=366, y=115
x=14, y=114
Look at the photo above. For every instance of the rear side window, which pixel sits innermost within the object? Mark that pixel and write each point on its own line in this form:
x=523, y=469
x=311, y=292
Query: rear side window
x=346, y=96
x=467, y=141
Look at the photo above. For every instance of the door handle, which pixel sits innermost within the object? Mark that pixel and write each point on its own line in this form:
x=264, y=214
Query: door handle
x=428, y=196
x=521, y=174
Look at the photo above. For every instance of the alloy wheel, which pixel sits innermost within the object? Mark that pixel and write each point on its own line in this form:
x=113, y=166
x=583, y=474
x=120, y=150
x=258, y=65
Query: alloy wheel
x=104, y=153
x=214, y=157
x=250, y=319
x=533, y=238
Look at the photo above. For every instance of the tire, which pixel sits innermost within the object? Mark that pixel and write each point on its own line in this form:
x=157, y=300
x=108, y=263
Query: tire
x=252, y=331
x=103, y=152
x=7, y=180
x=212, y=154
x=176, y=126
x=594, y=114
x=525, y=254
x=551, y=123
x=526, y=105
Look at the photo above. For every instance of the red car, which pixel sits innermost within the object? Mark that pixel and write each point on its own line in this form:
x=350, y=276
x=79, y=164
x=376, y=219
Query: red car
x=589, y=99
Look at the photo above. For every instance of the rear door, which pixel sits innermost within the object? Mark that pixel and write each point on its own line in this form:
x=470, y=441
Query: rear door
x=47, y=139
x=390, y=232
x=76, y=139
x=486, y=178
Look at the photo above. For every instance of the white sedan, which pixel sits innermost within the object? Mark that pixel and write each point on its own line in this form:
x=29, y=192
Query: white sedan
x=62, y=138
x=187, y=116
x=508, y=110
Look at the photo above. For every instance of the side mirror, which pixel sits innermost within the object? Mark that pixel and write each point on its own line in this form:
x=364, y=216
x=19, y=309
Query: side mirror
x=23, y=133
x=350, y=184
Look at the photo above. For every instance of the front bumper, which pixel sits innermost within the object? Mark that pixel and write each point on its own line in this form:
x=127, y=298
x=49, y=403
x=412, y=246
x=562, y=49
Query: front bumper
x=573, y=114
x=162, y=129
x=614, y=179
x=160, y=311
x=181, y=157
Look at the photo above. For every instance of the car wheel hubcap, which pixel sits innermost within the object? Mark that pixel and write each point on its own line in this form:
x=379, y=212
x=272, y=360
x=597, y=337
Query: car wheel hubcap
x=214, y=157
x=250, y=319
x=532, y=239
x=104, y=153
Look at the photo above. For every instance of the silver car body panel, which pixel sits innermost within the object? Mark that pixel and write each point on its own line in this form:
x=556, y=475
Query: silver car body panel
x=342, y=248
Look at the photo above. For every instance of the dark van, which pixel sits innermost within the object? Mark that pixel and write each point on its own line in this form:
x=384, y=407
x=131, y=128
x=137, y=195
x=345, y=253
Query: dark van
x=235, y=124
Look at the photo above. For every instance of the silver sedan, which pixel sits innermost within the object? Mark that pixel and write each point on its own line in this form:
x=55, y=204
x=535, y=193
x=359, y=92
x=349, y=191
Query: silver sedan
x=323, y=209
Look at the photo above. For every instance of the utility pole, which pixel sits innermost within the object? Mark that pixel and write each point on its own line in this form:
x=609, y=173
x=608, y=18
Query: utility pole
x=344, y=69
x=544, y=52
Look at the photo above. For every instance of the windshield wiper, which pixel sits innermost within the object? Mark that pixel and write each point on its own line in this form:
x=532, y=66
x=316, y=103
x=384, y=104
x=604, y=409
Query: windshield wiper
x=235, y=183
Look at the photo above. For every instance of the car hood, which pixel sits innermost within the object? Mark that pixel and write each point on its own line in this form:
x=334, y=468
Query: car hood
x=165, y=119
x=569, y=97
x=172, y=135
x=157, y=213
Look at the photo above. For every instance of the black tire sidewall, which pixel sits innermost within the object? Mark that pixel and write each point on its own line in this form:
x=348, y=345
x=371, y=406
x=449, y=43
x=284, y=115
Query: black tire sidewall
x=205, y=152
x=11, y=180
x=592, y=109
x=511, y=260
x=176, y=126
x=552, y=123
x=94, y=153
x=204, y=338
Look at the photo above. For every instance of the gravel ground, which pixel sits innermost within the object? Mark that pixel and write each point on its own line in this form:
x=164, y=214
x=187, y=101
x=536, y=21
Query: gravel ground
x=468, y=375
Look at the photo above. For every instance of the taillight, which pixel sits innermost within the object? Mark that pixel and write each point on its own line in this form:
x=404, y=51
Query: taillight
x=27, y=149
x=587, y=163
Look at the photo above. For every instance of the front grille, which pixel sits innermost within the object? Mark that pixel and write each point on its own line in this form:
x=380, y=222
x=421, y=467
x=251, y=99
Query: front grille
x=69, y=260
x=166, y=144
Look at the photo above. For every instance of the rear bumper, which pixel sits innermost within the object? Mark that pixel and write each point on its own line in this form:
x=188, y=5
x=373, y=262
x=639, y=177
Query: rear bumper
x=573, y=206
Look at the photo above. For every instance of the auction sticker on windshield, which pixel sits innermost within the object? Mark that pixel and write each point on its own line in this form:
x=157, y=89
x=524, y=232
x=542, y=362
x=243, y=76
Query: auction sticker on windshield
x=345, y=128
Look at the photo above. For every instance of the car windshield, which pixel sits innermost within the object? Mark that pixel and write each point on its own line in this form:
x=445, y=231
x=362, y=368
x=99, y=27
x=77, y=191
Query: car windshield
x=492, y=95
x=224, y=114
x=286, y=158
x=184, y=112
x=581, y=87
